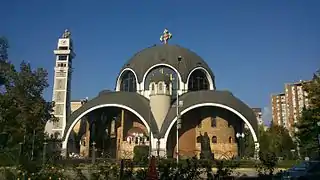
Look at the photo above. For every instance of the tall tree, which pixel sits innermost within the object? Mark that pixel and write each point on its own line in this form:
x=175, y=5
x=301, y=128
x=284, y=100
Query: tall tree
x=248, y=150
x=280, y=142
x=3, y=49
x=23, y=110
x=3, y=57
x=308, y=129
x=249, y=143
x=275, y=139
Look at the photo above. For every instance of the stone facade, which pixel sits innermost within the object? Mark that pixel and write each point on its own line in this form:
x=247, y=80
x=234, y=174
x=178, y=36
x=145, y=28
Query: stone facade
x=221, y=127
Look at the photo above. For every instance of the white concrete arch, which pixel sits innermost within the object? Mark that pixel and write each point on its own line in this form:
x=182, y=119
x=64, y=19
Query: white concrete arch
x=210, y=80
x=120, y=75
x=64, y=144
x=162, y=64
x=254, y=135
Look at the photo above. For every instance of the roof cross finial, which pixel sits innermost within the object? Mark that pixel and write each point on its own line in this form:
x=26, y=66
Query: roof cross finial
x=165, y=36
x=66, y=34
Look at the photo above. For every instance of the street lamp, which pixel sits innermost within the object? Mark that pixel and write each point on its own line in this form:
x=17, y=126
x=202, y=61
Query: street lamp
x=93, y=153
x=103, y=141
x=240, y=136
x=158, y=148
x=178, y=113
x=44, y=153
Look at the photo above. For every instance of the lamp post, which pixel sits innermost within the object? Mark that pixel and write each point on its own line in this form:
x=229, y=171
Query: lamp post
x=20, y=151
x=93, y=152
x=158, y=148
x=240, y=136
x=103, y=142
x=44, y=153
x=33, y=139
x=150, y=140
x=177, y=109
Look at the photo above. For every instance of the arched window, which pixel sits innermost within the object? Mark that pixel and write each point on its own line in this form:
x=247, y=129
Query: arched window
x=152, y=87
x=160, y=70
x=199, y=139
x=128, y=82
x=198, y=81
x=214, y=139
x=160, y=86
x=230, y=140
x=213, y=122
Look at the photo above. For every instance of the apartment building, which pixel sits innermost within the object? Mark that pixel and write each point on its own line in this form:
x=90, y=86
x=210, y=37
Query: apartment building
x=287, y=106
x=279, y=113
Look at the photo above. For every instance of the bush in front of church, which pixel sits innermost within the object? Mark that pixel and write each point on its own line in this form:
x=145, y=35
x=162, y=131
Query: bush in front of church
x=140, y=155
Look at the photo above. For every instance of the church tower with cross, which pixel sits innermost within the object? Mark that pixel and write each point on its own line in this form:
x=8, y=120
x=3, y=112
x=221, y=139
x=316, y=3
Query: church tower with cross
x=62, y=85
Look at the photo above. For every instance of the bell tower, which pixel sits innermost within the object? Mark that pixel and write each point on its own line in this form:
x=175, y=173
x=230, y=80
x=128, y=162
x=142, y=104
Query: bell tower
x=62, y=84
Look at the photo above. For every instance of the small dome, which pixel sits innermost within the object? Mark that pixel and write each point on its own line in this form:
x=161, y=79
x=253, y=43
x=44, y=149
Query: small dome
x=166, y=54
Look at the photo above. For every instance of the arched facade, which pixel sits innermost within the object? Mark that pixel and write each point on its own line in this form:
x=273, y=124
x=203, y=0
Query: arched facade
x=245, y=120
x=214, y=138
x=78, y=118
x=137, y=106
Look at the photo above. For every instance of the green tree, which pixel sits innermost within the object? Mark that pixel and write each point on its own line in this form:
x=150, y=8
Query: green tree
x=275, y=139
x=308, y=129
x=3, y=49
x=280, y=142
x=263, y=139
x=249, y=143
x=23, y=110
x=248, y=150
x=3, y=57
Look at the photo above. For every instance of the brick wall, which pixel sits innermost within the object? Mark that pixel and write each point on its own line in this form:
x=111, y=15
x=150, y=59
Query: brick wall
x=227, y=124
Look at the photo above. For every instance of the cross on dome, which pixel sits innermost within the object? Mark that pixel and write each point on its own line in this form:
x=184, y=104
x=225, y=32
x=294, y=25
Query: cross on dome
x=164, y=38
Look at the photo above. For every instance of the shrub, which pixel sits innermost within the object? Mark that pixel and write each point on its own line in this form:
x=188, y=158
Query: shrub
x=268, y=163
x=140, y=155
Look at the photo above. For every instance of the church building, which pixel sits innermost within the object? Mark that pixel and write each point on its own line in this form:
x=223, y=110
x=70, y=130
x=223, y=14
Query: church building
x=165, y=98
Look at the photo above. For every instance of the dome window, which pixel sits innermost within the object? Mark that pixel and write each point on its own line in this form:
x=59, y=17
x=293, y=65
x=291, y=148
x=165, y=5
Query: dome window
x=160, y=86
x=198, y=81
x=128, y=82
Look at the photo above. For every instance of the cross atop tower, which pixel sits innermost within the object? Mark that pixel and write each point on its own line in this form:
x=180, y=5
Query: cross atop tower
x=66, y=34
x=164, y=38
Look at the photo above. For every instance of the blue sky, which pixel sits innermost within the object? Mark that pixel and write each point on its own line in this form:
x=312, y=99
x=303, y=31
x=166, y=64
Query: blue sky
x=253, y=47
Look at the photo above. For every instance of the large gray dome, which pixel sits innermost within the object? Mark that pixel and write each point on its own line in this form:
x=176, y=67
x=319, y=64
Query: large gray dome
x=166, y=54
